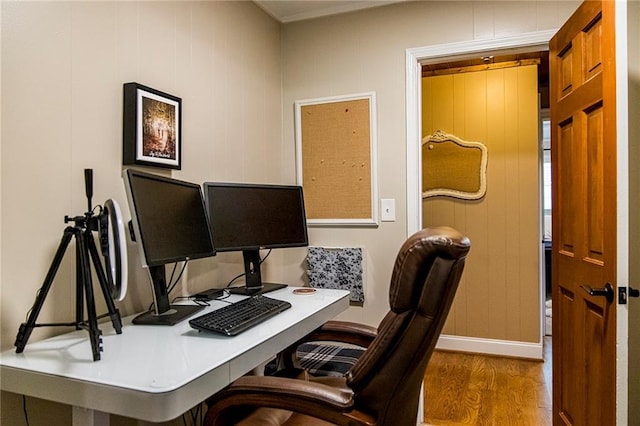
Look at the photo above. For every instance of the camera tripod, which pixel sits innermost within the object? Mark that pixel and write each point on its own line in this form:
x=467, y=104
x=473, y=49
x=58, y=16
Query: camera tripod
x=86, y=252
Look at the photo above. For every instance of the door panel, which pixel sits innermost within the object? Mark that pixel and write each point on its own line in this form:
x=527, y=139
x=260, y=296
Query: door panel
x=595, y=171
x=584, y=227
x=593, y=350
x=567, y=188
x=563, y=314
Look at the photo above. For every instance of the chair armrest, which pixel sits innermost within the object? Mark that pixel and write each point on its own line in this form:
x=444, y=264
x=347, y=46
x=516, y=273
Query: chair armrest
x=345, y=332
x=304, y=397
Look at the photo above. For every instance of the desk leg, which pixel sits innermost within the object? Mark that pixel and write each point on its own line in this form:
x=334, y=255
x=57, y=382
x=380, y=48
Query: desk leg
x=85, y=417
x=259, y=370
x=420, y=420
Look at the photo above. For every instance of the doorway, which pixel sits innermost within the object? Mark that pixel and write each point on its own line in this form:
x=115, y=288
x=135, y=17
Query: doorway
x=493, y=101
x=545, y=145
x=527, y=42
x=416, y=58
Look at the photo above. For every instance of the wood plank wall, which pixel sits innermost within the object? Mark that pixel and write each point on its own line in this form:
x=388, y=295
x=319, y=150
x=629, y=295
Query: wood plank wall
x=499, y=293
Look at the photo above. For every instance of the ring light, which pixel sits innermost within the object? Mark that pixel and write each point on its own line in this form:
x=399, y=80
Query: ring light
x=115, y=255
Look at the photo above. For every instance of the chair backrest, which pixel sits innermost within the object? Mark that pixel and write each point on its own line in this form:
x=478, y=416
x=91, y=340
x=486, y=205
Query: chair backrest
x=386, y=380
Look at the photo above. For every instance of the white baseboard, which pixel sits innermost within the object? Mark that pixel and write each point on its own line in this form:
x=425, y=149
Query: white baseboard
x=491, y=347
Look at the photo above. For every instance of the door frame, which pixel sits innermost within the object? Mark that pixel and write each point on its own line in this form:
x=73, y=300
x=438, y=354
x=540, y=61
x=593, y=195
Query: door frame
x=527, y=42
x=622, y=183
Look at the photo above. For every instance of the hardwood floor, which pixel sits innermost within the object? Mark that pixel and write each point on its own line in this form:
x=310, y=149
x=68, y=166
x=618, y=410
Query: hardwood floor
x=469, y=389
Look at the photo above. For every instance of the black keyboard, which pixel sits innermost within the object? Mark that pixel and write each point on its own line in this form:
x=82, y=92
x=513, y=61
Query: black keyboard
x=240, y=316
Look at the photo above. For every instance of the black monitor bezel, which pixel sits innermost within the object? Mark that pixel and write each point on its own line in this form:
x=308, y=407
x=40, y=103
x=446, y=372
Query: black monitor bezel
x=251, y=253
x=163, y=313
x=146, y=262
x=226, y=248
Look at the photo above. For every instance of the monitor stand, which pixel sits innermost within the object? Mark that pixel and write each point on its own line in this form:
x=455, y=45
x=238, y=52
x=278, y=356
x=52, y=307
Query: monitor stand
x=253, y=277
x=251, y=291
x=173, y=316
x=163, y=312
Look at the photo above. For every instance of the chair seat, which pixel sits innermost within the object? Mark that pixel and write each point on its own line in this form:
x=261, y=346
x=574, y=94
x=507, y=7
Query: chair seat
x=301, y=420
x=264, y=416
x=275, y=417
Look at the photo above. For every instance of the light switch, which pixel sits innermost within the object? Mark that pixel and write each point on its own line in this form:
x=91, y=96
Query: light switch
x=388, y=209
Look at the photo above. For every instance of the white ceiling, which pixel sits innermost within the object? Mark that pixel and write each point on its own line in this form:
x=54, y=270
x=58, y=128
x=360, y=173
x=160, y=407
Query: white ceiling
x=298, y=10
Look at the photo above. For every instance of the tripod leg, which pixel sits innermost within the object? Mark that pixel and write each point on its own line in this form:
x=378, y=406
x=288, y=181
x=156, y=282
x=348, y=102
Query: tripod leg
x=84, y=270
x=24, y=332
x=79, y=287
x=114, y=314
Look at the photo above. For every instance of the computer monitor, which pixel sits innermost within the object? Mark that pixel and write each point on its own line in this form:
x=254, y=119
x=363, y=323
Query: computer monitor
x=251, y=217
x=170, y=223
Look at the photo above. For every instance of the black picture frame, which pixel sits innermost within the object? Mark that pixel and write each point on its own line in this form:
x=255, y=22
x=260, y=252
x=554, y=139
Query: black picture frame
x=152, y=127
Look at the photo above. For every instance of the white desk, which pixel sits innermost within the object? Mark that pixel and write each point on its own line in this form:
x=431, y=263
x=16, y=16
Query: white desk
x=156, y=373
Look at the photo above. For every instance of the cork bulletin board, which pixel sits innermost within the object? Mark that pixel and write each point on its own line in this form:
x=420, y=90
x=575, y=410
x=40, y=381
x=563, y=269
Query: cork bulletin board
x=336, y=159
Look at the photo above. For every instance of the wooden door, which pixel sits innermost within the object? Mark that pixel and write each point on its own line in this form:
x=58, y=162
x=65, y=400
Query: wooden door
x=584, y=217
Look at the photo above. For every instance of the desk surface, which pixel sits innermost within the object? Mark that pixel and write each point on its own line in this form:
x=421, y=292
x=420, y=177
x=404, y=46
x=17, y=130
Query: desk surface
x=156, y=373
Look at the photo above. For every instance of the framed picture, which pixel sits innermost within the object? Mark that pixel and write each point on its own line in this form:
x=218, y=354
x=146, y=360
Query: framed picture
x=336, y=159
x=453, y=167
x=152, y=127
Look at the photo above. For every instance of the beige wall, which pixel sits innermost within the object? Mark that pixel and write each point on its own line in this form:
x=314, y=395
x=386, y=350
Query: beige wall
x=499, y=295
x=63, y=69
x=63, y=66
x=365, y=51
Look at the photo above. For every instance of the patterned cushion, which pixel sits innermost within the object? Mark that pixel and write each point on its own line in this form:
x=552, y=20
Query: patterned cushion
x=327, y=360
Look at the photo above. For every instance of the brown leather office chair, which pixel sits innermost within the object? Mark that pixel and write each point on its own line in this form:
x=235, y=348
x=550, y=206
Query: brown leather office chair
x=383, y=388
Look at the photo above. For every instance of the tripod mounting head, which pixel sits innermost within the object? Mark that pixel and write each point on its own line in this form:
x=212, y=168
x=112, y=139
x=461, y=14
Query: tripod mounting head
x=80, y=221
x=88, y=221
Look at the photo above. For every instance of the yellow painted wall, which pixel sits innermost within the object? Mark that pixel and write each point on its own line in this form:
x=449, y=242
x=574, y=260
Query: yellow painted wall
x=499, y=295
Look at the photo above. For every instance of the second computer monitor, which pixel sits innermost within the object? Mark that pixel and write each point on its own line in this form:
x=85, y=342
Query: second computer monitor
x=250, y=217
